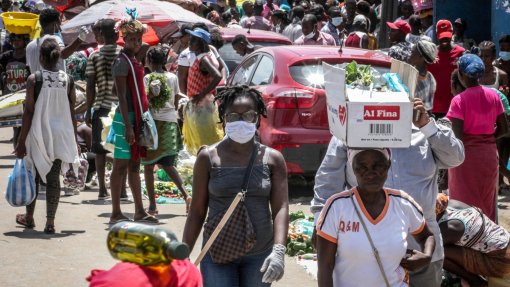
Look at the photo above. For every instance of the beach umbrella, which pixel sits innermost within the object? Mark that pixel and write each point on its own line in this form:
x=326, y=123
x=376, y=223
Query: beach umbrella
x=163, y=17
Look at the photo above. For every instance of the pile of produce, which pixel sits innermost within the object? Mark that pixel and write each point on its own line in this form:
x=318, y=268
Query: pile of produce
x=166, y=192
x=299, y=239
x=358, y=75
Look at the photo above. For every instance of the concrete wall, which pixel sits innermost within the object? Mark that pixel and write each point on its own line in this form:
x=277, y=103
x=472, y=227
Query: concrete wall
x=500, y=19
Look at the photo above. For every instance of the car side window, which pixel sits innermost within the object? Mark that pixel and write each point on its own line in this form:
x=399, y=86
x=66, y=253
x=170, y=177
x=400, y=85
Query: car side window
x=264, y=73
x=242, y=75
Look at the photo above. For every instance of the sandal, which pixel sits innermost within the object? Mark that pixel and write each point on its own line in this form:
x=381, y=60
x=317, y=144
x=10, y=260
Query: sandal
x=49, y=229
x=114, y=221
x=152, y=212
x=148, y=219
x=21, y=219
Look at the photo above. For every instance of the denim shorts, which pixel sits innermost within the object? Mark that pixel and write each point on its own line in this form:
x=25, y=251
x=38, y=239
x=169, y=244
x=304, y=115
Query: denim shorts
x=244, y=272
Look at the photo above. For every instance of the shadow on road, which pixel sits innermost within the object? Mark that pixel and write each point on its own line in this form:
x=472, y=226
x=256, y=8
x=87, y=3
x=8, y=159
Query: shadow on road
x=34, y=234
x=6, y=166
x=8, y=156
x=130, y=215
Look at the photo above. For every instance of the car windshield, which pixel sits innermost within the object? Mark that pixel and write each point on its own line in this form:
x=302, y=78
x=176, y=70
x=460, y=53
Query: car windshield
x=311, y=74
x=232, y=59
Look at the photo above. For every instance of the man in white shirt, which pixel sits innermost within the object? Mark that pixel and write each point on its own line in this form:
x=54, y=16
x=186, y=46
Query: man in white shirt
x=49, y=20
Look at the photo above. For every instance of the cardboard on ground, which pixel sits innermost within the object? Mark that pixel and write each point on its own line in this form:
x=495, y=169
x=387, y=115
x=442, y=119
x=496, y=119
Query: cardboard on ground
x=370, y=119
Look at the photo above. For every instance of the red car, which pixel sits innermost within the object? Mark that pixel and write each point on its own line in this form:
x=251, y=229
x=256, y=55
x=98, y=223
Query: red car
x=256, y=37
x=291, y=81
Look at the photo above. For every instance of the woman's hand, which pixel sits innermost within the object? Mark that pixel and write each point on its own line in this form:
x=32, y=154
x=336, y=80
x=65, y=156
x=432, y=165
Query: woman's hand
x=130, y=135
x=21, y=150
x=415, y=260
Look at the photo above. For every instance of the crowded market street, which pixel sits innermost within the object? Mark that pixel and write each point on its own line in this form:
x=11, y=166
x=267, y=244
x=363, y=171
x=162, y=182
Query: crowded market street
x=67, y=257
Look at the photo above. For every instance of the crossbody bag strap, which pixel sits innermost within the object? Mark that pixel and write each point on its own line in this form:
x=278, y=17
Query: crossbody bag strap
x=134, y=80
x=374, y=250
x=249, y=169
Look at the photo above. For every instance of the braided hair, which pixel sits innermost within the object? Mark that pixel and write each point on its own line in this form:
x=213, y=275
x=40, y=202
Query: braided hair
x=488, y=45
x=228, y=95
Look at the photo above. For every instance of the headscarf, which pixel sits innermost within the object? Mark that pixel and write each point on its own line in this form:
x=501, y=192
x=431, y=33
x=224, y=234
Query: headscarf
x=471, y=65
x=130, y=26
x=351, y=153
x=441, y=203
x=427, y=50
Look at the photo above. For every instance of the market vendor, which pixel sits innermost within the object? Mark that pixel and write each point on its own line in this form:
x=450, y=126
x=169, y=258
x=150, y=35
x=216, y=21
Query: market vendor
x=474, y=245
x=371, y=217
x=413, y=169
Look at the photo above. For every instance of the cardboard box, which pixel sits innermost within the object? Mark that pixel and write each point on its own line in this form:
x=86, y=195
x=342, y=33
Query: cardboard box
x=370, y=119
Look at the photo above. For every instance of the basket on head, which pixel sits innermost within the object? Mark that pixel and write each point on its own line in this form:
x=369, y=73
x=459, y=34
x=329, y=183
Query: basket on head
x=20, y=22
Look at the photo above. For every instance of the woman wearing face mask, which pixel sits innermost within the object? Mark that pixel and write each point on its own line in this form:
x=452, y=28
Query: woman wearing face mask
x=217, y=178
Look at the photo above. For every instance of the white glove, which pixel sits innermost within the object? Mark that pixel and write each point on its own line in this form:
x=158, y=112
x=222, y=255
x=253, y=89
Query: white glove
x=155, y=87
x=274, y=264
x=84, y=31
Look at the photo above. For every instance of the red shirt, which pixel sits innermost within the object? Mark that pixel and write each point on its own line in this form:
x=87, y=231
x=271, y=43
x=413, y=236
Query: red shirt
x=180, y=273
x=442, y=70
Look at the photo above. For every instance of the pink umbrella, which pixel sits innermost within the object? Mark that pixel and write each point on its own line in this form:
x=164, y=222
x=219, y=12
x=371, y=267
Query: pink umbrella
x=164, y=17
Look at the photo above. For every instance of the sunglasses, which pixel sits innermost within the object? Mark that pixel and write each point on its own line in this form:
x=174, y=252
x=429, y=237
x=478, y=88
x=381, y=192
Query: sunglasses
x=249, y=116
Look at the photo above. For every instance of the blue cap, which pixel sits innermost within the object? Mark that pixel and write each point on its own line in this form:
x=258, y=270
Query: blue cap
x=200, y=33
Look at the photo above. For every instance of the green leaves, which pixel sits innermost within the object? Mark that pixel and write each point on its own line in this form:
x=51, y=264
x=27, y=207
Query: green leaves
x=358, y=74
x=159, y=101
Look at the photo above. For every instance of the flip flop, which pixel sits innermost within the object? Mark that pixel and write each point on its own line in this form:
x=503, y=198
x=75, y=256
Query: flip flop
x=21, y=219
x=148, y=219
x=112, y=222
x=152, y=212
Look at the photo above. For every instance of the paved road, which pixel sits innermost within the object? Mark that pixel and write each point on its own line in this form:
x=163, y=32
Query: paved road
x=32, y=258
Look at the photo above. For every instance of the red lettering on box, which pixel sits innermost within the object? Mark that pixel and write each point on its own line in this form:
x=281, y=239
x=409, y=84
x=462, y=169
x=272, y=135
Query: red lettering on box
x=386, y=113
x=342, y=114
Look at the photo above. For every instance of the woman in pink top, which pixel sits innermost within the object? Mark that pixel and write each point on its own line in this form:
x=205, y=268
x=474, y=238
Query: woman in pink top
x=478, y=119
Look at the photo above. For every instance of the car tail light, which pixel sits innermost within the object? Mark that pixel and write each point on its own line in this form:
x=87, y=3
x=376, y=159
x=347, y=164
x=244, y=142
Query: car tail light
x=292, y=99
x=280, y=147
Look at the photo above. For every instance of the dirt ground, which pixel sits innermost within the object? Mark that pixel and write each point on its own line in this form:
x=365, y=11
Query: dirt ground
x=32, y=258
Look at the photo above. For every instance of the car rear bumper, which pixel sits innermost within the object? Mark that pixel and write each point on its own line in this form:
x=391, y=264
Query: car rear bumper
x=303, y=149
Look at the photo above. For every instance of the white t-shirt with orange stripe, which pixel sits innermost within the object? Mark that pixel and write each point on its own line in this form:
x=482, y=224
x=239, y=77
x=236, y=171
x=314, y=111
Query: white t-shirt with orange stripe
x=355, y=262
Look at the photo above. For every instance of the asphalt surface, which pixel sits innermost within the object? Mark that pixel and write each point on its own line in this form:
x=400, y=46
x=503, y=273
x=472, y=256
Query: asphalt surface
x=33, y=258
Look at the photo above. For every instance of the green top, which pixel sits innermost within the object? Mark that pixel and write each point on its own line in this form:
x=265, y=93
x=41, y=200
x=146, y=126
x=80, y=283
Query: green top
x=506, y=104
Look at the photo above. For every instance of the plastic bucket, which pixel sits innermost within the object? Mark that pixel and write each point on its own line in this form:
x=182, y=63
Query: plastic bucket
x=20, y=22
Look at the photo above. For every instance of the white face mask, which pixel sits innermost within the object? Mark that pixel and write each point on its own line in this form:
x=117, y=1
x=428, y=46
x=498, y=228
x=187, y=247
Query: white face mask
x=337, y=21
x=505, y=56
x=240, y=131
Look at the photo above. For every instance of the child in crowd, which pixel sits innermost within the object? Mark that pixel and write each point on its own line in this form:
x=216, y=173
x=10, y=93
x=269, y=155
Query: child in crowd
x=48, y=135
x=163, y=91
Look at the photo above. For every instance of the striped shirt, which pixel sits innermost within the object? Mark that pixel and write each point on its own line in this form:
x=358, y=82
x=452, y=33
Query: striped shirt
x=100, y=65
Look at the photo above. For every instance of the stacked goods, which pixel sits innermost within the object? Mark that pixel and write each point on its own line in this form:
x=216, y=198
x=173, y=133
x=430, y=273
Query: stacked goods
x=370, y=110
x=299, y=239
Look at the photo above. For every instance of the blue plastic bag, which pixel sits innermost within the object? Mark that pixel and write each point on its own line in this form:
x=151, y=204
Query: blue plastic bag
x=20, y=186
